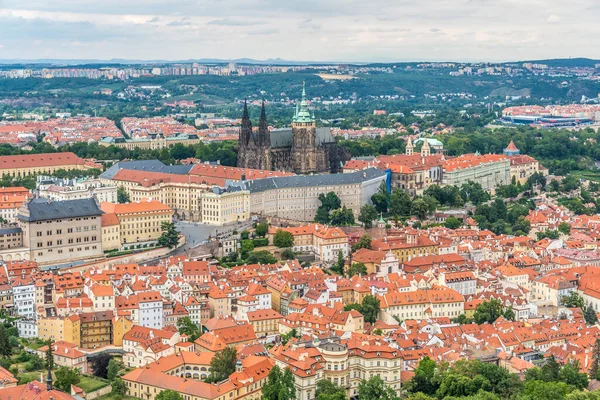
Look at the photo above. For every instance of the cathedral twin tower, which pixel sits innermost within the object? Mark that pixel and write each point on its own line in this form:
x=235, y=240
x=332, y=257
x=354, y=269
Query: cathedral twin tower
x=303, y=149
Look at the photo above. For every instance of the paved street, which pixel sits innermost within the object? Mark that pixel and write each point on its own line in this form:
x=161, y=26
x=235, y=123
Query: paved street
x=196, y=233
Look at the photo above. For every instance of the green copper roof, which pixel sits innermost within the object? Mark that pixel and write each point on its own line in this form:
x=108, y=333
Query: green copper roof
x=381, y=218
x=302, y=113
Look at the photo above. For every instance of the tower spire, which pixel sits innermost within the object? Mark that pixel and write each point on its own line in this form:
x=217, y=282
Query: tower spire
x=264, y=139
x=409, y=147
x=246, y=128
x=425, y=150
x=302, y=112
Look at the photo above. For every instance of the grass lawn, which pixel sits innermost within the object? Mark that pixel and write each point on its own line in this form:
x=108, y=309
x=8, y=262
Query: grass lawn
x=90, y=384
x=589, y=175
x=111, y=396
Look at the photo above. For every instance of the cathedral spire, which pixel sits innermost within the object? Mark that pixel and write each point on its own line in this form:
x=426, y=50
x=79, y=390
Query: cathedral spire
x=425, y=150
x=302, y=112
x=409, y=147
x=246, y=128
x=264, y=139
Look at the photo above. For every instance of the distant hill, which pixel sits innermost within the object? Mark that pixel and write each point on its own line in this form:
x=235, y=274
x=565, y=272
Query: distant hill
x=566, y=62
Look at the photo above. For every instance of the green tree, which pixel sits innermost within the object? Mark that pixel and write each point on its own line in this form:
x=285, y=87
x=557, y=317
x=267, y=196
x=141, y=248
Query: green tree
x=342, y=217
x=357, y=268
x=569, y=374
x=222, y=365
x=370, y=308
x=490, y=311
x=65, y=377
x=452, y=222
x=122, y=195
x=112, y=371
x=363, y=243
x=423, y=380
x=367, y=215
x=400, y=202
x=573, y=300
x=118, y=387
x=381, y=199
x=327, y=390
x=49, y=356
x=564, y=228
x=169, y=395
x=5, y=349
x=540, y=390
x=595, y=367
x=521, y=226
x=169, y=237
x=419, y=208
x=186, y=326
x=283, y=239
x=590, y=316
x=375, y=389
x=288, y=254
x=279, y=385
x=338, y=267
x=285, y=337
x=261, y=229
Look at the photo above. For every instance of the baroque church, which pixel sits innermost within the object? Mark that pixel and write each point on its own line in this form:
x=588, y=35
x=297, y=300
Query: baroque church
x=302, y=149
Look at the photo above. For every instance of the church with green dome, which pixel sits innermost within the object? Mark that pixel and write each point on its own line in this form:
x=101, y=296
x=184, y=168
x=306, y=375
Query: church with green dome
x=303, y=148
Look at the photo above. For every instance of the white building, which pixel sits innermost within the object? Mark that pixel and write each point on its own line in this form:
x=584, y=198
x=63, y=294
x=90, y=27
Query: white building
x=71, y=189
x=24, y=297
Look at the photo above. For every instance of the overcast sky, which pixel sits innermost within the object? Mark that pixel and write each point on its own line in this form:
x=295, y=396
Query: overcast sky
x=309, y=30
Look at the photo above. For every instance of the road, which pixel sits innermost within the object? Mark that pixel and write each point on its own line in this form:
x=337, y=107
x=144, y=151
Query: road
x=196, y=233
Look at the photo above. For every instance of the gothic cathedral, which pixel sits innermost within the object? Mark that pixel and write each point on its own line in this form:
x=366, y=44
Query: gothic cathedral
x=303, y=149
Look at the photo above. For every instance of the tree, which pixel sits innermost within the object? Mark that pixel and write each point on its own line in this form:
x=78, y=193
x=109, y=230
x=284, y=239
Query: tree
x=327, y=390
x=363, y=243
x=400, y=202
x=283, y=239
x=370, y=308
x=288, y=254
x=112, y=371
x=564, y=228
x=573, y=300
x=118, y=387
x=49, y=356
x=375, y=389
x=521, y=226
x=381, y=199
x=329, y=202
x=338, y=267
x=279, y=385
x=169, y=237
x=187, y=327
x=122, y=195
x=65, y=377
x=595, y=367
x=357, y=268
x=222, y=365
x=261, y=229
x=452, y=222
x=100, y=364
x=419, y=208
x=590, y=315
x=490, y=311
x=367, y=215
x=287, y=336
x=169, y=395
x=342, y=217
x=5, y=349
x=423, y=380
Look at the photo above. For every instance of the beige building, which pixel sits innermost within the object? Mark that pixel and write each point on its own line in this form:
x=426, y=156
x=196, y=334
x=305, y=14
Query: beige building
x=140, y=221
x=297, y=197
x=522, y=167
x=489, y=170
x=220, y=206
x=421, y=304
x=61, y=231
x=322, y=241
x=111, y=232
x=45, y=163
x=151, y=143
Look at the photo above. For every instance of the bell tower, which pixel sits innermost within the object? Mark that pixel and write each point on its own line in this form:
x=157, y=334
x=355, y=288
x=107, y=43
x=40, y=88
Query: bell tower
x=304, y=138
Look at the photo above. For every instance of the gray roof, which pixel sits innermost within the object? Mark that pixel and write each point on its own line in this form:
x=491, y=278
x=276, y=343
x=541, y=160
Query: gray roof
x=10, y=231
x=147, y=165
x=41, y=209
x=260, y=185
x=283, y=137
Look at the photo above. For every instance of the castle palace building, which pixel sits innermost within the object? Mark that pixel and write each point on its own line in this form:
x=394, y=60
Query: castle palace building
x=303, y=149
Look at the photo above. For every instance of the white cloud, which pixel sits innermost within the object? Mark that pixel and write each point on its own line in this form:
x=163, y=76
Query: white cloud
x=553, y=19
x=338, y=30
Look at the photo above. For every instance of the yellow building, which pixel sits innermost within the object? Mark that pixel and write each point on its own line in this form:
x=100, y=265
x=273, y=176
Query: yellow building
x=111, y=232
x=96, y=329
x=265, y=322
x=140, y=221
x=221, y=207
x=121, y=326
x=322, y=241
x=148, y=143
x=421, y=304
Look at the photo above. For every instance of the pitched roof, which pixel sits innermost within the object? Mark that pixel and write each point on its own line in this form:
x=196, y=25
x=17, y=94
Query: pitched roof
x=41, y=209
